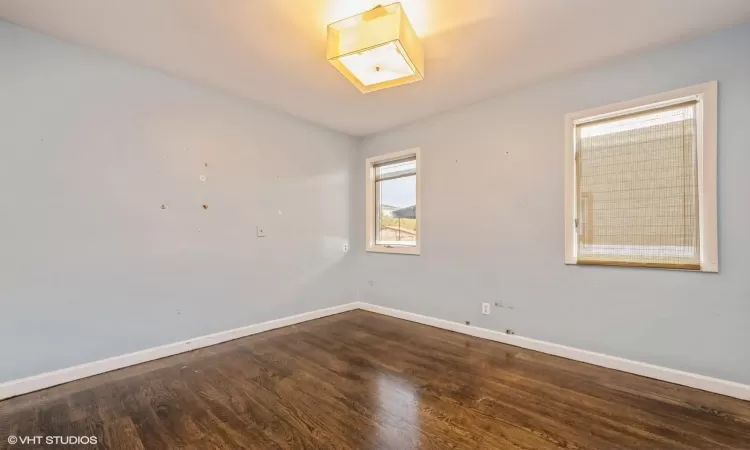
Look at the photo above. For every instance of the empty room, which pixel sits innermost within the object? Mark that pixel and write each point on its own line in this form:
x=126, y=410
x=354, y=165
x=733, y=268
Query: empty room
x=355, y=224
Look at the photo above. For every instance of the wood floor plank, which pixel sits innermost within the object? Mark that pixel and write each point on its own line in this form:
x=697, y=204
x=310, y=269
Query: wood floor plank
x=462, y=389
x=359, y=380
x=592, y=412
x=434, y=417
x=599, y=397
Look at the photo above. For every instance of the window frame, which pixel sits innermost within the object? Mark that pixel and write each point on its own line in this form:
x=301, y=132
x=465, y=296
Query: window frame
x=706, y=147
x=371, y=205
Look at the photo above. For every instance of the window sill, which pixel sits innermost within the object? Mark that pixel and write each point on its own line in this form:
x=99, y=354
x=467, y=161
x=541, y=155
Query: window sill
x=398, y=250
x=704, y=267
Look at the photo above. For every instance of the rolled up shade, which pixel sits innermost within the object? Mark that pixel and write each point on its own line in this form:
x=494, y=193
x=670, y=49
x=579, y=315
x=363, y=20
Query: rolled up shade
x=637, y=189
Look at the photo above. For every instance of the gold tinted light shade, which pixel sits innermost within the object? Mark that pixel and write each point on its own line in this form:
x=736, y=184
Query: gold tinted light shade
x=376, y=49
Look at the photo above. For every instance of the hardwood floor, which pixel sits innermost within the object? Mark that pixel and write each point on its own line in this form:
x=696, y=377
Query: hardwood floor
x=359, y=380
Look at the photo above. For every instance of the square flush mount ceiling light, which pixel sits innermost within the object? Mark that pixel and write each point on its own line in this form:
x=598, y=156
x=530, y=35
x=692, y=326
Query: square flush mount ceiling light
x=377, y=49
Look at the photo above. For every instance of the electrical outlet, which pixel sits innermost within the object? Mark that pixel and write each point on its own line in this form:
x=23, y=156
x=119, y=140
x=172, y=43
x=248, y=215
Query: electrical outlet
x=346, y=248
x=485, y=308
x=260, y=231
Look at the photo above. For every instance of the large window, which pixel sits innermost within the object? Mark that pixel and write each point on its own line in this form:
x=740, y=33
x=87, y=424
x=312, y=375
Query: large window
x=641, y=182
x=392, y=203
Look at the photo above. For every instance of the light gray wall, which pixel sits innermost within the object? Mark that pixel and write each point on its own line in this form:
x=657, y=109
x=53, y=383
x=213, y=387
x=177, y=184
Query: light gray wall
x=92, y=267
x=492, y=221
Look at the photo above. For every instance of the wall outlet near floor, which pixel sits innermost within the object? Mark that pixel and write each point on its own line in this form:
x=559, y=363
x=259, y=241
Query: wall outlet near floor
x=260, y=231
x=346, y=248
x=485, y=308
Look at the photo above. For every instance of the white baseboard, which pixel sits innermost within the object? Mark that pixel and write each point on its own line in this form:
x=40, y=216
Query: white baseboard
x=45, y=380
x=49, y=379
x=716, y=385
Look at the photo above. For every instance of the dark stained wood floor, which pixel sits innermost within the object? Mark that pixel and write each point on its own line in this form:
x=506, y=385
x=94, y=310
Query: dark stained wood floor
x=359, y=380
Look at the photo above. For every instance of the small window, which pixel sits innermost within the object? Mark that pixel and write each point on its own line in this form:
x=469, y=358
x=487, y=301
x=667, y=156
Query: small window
x=393, y=203
x=641, y=182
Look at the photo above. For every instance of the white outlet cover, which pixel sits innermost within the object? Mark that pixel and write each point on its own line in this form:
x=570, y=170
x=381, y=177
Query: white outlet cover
x=203, y=178
x=260, y=232
x=485, y=308
x=346, y=247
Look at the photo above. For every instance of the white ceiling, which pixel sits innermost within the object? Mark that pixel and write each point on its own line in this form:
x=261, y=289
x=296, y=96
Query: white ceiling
x=273, y=51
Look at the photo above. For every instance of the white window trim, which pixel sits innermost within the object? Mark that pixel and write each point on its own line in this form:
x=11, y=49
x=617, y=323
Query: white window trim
x=370, y=231
x=706, y=94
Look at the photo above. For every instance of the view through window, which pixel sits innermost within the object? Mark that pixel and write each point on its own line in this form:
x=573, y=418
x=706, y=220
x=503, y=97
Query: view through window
x=396, y=202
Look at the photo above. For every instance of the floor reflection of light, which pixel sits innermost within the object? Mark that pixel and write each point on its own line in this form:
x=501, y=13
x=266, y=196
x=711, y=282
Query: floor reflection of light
x=398, y=413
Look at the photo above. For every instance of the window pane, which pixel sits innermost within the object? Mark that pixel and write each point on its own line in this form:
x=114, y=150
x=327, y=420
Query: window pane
x=396, y=211
x=638, y=189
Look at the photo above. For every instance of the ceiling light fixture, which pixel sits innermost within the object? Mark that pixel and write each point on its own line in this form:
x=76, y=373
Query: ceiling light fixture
x=377, y=49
